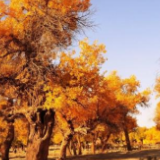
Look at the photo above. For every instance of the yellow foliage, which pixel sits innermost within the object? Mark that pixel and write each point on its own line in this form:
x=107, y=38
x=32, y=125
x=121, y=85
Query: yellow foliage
x=76, y=96
x=57, y=138
x=3, y=130
x=21, y=131
x=20, y=12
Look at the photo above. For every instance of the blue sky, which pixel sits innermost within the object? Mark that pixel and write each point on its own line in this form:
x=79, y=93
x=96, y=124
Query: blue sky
x=130, y=29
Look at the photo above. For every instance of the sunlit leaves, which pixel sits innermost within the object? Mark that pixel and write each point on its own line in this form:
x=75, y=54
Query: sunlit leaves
x=66, y=5
x=157, y=111
x=21, y=131
x=3, y=130
x=75, y=96
x=19, y=16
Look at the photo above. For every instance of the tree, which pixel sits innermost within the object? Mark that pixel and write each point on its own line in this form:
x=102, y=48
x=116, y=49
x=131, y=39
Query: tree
x=139, y=134
x=157, y=113
x=152, y=135
x=126, y=97
x=21, y=133
x=157, y=117
x=30, y=34
x=7, y=128
x=75, y=92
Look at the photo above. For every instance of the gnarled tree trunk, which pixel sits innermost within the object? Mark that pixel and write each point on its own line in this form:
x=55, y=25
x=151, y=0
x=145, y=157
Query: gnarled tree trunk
x=5, y=147
x=69, y=149
x=67, y=137
x=64, y=145
x=41, y=124
x=105, y=142
x=74, y=148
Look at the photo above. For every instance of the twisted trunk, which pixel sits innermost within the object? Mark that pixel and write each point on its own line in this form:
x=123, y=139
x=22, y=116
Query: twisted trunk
x=74, y=148
x=105, y=142
x=67, y=137
x=64, y=145
x=69, y=149
x=40, y=124
x=5, y=147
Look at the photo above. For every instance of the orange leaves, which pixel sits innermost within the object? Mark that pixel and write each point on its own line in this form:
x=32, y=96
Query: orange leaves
x=57, y=137
x=131, y=84
x=55, y=98
x=67, y=5
x=3, y=103
x=86, y=92
x=157, y=116
x=123, y=95
x=86, y=65
x=157, y=111
x=93, y=54
x=24, y=19
x=113, y=81
x=79, y=75
x=90, y=57
x=157, y=87
x=74, y=93
x=83, y=68
x=3, y=130
x=21, y=133
x=128, y=94
x=3, y=8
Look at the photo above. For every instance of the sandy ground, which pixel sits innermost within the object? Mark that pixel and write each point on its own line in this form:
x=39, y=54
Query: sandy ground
x=119, y=155
x=133, y=155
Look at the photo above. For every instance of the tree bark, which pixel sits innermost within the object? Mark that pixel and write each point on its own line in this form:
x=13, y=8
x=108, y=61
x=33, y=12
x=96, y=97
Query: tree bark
x=74, y=149
x=64, y=145
x=105, y=142
x=129, y=148
x=141, y=140
x=93, y=147
x=79, y=145
x=67, y=137
x=5, y=147
x=69, y=149
x=40, y=124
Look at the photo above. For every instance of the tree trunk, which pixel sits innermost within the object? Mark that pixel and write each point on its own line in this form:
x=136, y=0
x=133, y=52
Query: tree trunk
x=141, y=140
x=41, y=124
x=79, y=145
x=65, y=143
x=67, y=138
x=129, y=148
x=105, y=142
x=5, y=147
x=74, y=149
x=69, y=149
x=93, y=147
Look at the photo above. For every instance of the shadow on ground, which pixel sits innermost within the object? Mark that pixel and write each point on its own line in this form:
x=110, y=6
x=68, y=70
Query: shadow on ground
x=133, y=155
x=119, y=155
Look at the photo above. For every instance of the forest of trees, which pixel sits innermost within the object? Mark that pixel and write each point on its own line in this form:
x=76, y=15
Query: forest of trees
x=49, y=95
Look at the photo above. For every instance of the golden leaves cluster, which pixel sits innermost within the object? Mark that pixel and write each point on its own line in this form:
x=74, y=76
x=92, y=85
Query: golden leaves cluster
x=83, y=93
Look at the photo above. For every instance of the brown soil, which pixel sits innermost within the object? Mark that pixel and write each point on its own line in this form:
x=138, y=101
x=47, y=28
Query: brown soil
x=153, y=154
x=120, y=155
